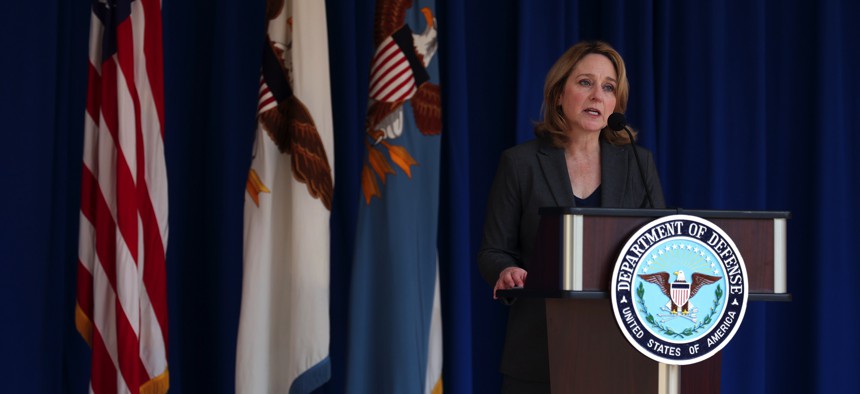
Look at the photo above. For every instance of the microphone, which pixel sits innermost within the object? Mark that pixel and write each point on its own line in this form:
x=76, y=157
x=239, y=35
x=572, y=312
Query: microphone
x=618, y=122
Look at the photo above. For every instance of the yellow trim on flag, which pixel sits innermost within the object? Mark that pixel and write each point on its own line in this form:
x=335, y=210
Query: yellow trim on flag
x=437, y=389
x=157, y=385
x=84, y=324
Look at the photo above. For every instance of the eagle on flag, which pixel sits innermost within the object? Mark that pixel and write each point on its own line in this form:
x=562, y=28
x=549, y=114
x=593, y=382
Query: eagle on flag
x=398, y=74
x=680, y=292
x=287, y=121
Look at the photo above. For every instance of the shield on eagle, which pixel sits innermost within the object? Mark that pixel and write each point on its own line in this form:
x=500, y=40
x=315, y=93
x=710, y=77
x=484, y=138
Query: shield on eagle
x=680, y=293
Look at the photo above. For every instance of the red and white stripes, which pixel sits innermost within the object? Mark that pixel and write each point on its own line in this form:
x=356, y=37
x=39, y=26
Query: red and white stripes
x=122, y=304
x=265, y=98
x=391, y=78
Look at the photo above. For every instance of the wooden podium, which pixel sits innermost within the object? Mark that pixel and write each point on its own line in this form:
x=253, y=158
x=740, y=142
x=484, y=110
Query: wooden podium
x=575, y=254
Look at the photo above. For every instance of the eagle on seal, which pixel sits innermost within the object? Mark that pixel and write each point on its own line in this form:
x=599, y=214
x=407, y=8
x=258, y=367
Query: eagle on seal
x=680, y=291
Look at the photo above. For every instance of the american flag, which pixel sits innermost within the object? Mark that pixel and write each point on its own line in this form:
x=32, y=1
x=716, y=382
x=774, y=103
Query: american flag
x=121, y=306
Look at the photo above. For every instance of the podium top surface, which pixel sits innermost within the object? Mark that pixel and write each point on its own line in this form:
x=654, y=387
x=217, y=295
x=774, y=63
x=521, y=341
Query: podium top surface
x=703, y=213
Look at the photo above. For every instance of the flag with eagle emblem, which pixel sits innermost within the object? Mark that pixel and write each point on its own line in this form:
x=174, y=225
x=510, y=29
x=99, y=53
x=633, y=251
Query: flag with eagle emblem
x=283, y=341
x=395, y=334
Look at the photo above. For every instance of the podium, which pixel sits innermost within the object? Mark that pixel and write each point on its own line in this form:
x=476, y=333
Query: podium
x=575, y=254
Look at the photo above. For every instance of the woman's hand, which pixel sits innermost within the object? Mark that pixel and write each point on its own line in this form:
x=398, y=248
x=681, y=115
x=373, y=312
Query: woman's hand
x=510, y=277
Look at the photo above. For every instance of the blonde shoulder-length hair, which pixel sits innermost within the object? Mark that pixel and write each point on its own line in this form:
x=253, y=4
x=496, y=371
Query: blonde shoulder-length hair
x=554, y=123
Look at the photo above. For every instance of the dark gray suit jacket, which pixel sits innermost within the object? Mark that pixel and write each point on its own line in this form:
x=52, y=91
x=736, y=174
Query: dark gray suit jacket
x=534, y=175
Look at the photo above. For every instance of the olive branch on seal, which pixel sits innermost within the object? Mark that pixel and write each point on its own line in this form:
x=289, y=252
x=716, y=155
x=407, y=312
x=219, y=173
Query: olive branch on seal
x=640, y=295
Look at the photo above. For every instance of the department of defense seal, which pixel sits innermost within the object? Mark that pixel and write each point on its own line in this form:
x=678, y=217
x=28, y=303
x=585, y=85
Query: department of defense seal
x=679, y=289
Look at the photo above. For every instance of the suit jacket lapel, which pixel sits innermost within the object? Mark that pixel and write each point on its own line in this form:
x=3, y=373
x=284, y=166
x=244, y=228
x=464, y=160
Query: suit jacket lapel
x=613, y=174
x=554, y=169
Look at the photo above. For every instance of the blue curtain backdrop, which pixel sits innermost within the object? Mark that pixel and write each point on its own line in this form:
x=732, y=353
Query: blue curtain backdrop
x=747, y=105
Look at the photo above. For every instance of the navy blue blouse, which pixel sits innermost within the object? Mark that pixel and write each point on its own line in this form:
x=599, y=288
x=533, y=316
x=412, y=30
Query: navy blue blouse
x=592, y=201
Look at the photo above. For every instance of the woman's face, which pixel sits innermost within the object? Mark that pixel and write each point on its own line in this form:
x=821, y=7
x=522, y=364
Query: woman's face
x=589, y=94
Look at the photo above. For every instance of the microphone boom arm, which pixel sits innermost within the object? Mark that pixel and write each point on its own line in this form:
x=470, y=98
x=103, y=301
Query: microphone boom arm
x=617, y=122
x=639, y=165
